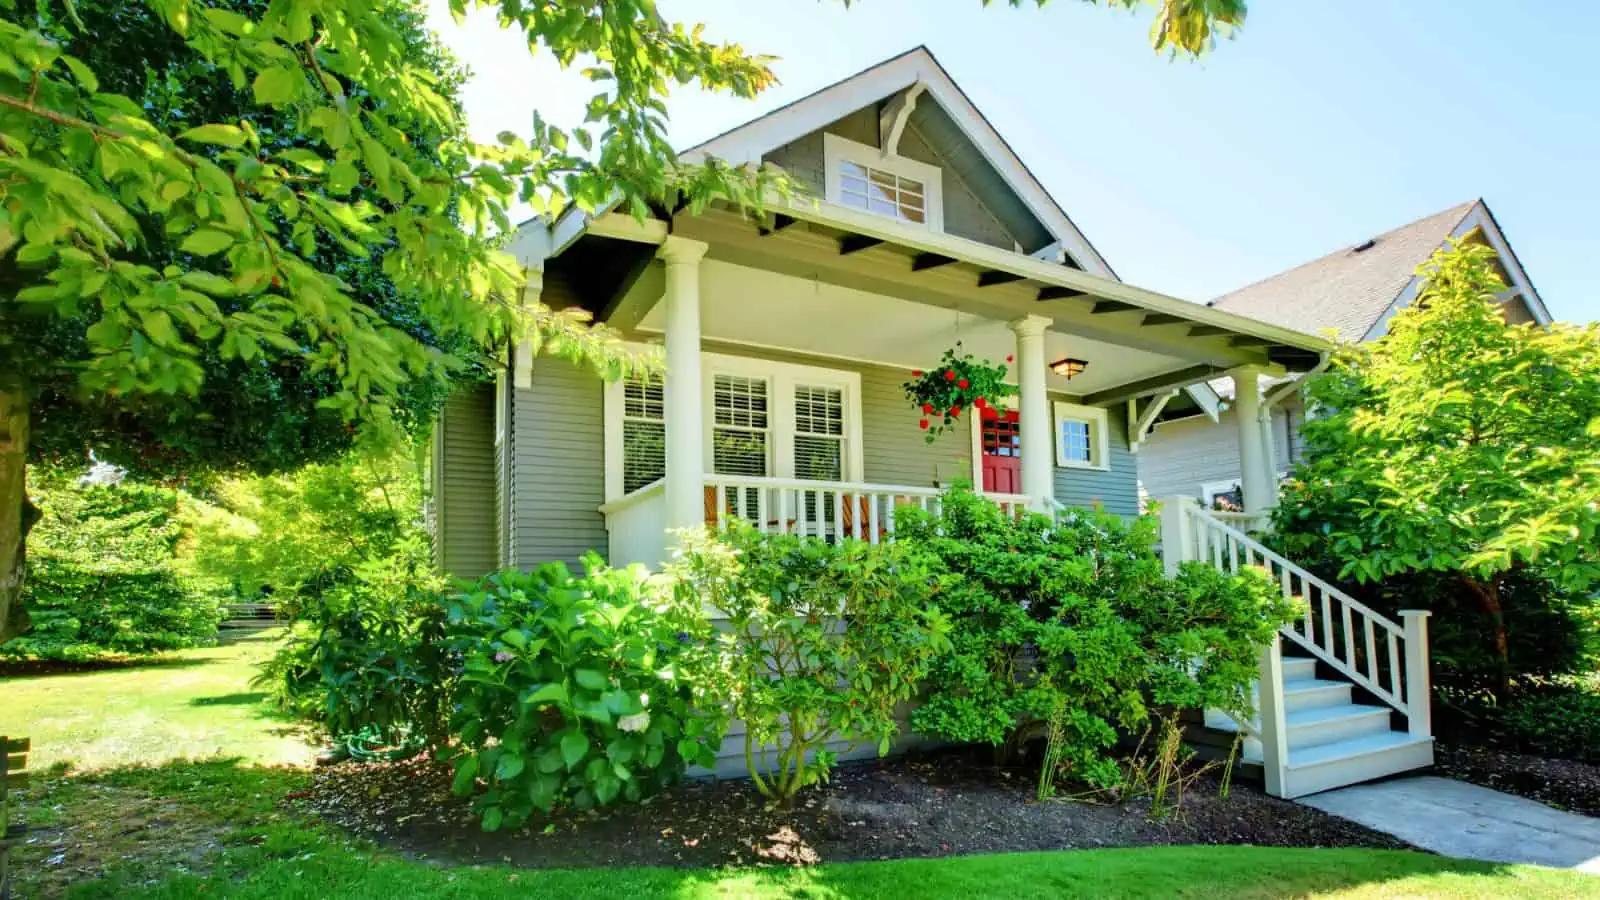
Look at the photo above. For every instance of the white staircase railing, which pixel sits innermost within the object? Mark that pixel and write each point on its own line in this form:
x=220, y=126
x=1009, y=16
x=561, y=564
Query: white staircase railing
x=1384, y=658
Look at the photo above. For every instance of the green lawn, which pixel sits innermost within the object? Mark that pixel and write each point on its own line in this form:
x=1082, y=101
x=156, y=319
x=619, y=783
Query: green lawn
x=191, y=704
x=139, y=818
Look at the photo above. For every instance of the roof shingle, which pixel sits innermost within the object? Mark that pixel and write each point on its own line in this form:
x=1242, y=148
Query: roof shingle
x=1350, y=289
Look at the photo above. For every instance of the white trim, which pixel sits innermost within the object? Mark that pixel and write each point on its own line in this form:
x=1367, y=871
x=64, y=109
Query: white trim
x=1140, y=423
x=1005, y=403
x=1478, y=217
x=749, y=142
x=1099, y=435
x=896, y=113
x=782, y=378
x=836, y=149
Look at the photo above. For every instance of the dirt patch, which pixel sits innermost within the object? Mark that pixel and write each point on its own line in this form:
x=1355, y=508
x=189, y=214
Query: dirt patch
x=1561, y=783
x=920, y=806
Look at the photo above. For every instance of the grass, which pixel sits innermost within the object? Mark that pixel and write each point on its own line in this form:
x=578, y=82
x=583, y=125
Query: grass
x=190, y=704
x=137, y=820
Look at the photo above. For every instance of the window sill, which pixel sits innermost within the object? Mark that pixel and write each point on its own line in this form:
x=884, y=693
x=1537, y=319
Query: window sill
x=1087, y=467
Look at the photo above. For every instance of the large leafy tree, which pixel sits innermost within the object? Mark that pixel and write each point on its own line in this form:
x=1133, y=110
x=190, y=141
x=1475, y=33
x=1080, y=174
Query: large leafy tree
x=1458, y=446
x=96, y=186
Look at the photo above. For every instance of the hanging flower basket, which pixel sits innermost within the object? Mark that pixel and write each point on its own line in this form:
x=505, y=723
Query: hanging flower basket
x=960, y=382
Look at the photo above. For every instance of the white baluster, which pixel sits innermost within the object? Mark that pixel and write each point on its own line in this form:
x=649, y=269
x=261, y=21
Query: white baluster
x=1419, y=690
x=838, y=516
x=1372, y=649
x=1327, y=623
x=1394, y=665
x=873, y=532
x=722, y=506
x=1349, y=637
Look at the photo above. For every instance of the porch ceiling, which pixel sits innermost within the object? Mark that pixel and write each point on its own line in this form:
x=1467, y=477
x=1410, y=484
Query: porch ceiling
x=763, y=308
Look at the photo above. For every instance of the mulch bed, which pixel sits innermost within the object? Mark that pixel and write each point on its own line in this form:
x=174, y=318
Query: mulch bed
x=919, y=806
x=1561, y=783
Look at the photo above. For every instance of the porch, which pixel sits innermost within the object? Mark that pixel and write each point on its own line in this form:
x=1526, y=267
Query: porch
x=785, y=344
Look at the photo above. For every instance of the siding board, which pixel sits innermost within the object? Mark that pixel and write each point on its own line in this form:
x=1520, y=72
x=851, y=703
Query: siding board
x=464, y=475
x=559, y=465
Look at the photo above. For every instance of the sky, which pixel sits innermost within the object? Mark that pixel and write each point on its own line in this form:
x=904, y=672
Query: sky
x=1322, y=123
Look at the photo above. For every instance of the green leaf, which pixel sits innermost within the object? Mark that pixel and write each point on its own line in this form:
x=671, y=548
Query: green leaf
x=591, y=679
x=574, y=747
x=274, y=86
x=607, y=788
x=515, y=638
x=510, y=767
x=158, y=326
x=492, y=818
x=82, y=73
x=206, y=242
x=555, y=692
x=466, y=775
x=548, y=760
x=218, y=135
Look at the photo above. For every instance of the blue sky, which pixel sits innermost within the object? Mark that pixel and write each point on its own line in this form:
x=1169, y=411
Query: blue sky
x=1323, y=123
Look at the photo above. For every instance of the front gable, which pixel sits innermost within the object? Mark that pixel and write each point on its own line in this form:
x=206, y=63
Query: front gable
x=908, y=114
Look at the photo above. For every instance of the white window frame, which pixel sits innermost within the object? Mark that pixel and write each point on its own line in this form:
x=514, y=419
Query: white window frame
x=1210, y=490
x=500, y=390
x=781, y=378
x=836, y=149
x=1099, y=435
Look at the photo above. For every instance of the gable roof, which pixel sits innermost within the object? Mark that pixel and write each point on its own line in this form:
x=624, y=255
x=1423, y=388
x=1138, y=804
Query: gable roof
x=1356, y=289
x=748, y=142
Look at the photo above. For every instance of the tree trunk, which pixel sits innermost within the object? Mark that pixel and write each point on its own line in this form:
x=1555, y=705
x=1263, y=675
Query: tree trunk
x=1488, y=595
x=17, y=514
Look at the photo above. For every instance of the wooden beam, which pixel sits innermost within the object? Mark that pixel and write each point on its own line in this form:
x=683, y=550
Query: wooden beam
x=1207, y=331
x=922, y=262
x=1155, y=384
x=1140, y=423
x=1163, y=319
x=855, y=243
x=994, y=277
x=1248, y=340
x=1111, y=306
x=1058, y=293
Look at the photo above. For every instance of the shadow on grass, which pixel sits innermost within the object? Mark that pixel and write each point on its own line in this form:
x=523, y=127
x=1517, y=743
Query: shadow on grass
x=34, y=668
x=242, y=699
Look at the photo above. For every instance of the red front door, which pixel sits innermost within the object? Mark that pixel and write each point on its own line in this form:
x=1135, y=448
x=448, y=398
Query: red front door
x=1002, y=453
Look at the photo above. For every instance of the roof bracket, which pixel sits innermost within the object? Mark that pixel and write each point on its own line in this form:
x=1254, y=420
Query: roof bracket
x=779, y=223
x=1162, y=319
x=925, y=261
x=892, y=121
x=1059, y=293
x=1111, y=306
x=1140, y=422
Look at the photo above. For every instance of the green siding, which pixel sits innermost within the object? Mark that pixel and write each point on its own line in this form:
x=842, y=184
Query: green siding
x=558, y=465
x=464, y=484
x=1117, y=487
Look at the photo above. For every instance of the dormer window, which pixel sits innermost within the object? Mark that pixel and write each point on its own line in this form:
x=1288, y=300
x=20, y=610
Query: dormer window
x=864, y=178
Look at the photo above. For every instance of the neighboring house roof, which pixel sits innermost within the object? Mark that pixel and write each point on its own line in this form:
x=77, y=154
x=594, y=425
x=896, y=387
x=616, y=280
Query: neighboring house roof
x=1354, y=290
x=917, y=66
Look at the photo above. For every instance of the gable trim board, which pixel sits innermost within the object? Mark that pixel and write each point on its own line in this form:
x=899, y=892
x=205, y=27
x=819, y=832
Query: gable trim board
x=750, y=142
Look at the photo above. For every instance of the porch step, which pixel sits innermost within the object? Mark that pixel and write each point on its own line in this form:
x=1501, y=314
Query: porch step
x=1296, y=668
x=1319, y=726
x=1314, y=693
x=1354, y=760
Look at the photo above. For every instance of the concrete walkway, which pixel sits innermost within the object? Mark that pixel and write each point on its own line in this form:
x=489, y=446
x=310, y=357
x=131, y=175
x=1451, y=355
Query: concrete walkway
x=1454, y=818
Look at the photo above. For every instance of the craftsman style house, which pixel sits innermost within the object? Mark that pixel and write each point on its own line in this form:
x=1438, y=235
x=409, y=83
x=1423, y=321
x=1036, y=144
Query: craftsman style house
x=786, y=343
x=1193, y=449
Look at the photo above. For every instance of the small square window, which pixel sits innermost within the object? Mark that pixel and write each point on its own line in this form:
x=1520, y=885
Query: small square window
x=1082, y=436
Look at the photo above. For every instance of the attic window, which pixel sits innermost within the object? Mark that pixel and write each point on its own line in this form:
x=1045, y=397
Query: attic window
x=862, y=177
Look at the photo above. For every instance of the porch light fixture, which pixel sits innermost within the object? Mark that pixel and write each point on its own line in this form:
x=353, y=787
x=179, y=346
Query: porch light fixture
x=1069, y=368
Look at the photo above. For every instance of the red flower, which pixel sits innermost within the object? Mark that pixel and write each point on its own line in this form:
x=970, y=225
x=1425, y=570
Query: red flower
x=990, y=412
x=924, y=424
x=980, y=403
x=963, y=384
x=1011, y=359
x=927, y=407
x=949, y=374
x=916, y=373
x=955, y=411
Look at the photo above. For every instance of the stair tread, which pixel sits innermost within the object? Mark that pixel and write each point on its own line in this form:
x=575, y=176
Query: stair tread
x=1294, y=685
x=1322, y=714
x=1352, y=747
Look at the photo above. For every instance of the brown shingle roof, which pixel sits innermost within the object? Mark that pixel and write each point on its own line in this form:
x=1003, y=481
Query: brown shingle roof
x=1351, y=288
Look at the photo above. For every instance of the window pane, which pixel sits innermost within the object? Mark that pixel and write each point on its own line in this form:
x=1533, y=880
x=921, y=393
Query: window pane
x=911, y=187
x=643, y=399
x=740, y=401
x=644, y=454
x=1075, y=446
x=818, y=410
x=852, y=170
x=818, y=458
x=739, y=452
x=853, y=185
x=884, y=207
x=912, y=214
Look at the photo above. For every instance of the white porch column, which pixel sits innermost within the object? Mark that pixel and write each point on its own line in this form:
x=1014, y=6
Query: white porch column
x=522, y=358
x=1255, y=469
x=1033, y=408
x=1269, y=452
x=685, y=485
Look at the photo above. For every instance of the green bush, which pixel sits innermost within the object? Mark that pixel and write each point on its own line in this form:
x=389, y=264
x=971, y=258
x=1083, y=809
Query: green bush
x=101, y=579
x=815, y=643
x=366, y=660
x=573, y=691
x=1072, y=622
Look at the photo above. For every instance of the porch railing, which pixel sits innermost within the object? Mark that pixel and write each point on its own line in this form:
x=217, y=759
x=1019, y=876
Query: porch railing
x=1389, y=660
x=824, y=509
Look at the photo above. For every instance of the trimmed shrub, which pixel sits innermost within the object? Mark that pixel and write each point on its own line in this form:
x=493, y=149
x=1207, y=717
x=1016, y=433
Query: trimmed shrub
x=1072, y=622
x=813, y=643
x=573, y=691
x=101, y=576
